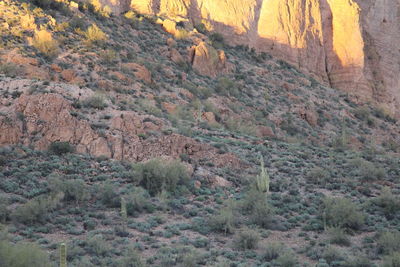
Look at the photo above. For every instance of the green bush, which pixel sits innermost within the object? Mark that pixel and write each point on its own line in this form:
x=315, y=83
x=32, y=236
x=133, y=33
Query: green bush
x=97, y=101
x=317, y=176
x=246, y=239
x=73, y=190
x=287, y=259
x=138, y=201
x=157, y=174
x=388, y=202
x=98, y=245
x=272, y=251
x=60, y=148
x=338, y=236
x=389, y=242
x=9, y=69
x=37, y=209
x=94, y=35
x=226, y=220
x=254, y=204
x=341, y=212
x=22, y=255
x=109, y=196
x=392, y=260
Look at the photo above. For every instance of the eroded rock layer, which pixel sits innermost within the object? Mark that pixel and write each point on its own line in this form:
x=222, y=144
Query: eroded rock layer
x=350, y=44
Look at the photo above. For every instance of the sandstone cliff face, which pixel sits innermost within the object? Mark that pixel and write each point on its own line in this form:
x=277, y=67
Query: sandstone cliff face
x=350, y=44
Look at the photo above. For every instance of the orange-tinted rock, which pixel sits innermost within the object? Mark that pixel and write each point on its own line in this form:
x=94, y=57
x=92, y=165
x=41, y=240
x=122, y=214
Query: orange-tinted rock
x=175, y=56
x=169, y=107
x=56, y=68
x=140, y=72
x=206, y=60
x=209, y=117
x=68, y=75
x=264, y=131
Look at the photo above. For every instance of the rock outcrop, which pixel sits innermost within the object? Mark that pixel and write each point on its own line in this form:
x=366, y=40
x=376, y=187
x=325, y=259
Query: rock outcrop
x=40, y=119
x=349, y=44
x=206, y=60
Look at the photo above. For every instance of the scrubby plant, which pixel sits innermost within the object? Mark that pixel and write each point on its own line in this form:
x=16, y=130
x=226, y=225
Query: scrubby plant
x=338, y=236
x=342, y=212
x=138, y=201
x=226, y=220
x=22, y=255
x=97, y=101
x=287, y=259
x=272, y=251
x=73, y=190
x=98, y=245
x=246, y=239
x=94, y=35
x=255, y=205
x=392, y=260
x=37, y=209
x=389, y=242
x=109, y=196
x=60, y=148
x=317, y=176
x=44, y=42
x=9, y=69
x=158, y=174
x=388, y=202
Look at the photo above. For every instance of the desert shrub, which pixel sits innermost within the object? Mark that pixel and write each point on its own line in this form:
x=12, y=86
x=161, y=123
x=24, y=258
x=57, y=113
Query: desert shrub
x=37, y=209
x=158, y=174
x=227, y=87
x=358, y=261
x=331, y=254
x=272, y=251
x=217, y=39
x=73, y=190
x=9, y=69
x=44, y=42
x=22, y=255
x=389, y=242
x=4, y=212
x=98, y=245
x=341, y=212
x=392, y=260
x=388, y=202
x=254, y=204
x=60, y=148
x=138, y=201
x=109, y=196
x=338, y=236
x=94, y=35
x=201, y=28
x=246, y=239
x=78, y=23
x=317, y=176
x=226, y=220
x=287, y=259
x=131, y=258
x=97, y=101
x=367, y=170
x=109, y=56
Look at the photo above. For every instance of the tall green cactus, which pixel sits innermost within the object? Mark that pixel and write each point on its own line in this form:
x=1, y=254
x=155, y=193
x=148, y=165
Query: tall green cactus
x=262, y=180
x=124, y=213
x=63, y=255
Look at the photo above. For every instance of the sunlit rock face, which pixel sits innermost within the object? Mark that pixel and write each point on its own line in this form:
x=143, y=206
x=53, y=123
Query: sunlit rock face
x=350, y=44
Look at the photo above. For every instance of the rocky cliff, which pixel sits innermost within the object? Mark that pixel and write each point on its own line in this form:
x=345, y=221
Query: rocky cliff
x=350, y=44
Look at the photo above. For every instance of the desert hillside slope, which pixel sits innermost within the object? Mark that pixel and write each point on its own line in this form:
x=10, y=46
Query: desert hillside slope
x=147, y=138
x=349, y=44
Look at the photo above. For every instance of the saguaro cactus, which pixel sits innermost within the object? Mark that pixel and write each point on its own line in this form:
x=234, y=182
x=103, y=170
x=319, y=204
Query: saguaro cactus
x=262, y=180
x=124, y=213
x=63, y=255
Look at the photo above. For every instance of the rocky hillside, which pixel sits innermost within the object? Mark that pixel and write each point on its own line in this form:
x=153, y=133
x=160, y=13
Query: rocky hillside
x=350, y=45
x=137, y=138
